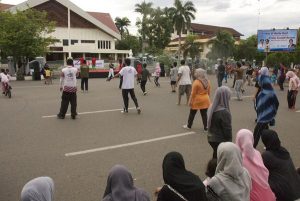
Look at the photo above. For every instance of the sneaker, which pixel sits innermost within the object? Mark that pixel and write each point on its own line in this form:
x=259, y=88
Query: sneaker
x=60, y=116
x=138, y=110
x=124, y=111
x=186, y=127
x=73, y=116
x=205, y=130
x=145, y=93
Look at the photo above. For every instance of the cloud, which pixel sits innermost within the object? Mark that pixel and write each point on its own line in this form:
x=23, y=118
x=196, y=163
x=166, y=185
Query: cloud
x=222, y=6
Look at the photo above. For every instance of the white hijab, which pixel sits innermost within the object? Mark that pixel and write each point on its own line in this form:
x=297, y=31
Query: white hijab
x=38, y=189
x=231, y=181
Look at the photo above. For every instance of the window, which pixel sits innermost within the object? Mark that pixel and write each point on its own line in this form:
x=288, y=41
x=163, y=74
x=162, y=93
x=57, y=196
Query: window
x=87, y=41
x=56, y=40
x=73, y=42
x=65, y=42
x=104, y=44
x=57, y=49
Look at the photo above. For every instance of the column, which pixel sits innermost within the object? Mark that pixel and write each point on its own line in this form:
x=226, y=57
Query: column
x=69, y=32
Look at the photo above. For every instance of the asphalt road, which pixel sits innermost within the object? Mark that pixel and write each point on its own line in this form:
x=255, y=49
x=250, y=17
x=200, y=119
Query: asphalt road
x=34, y=143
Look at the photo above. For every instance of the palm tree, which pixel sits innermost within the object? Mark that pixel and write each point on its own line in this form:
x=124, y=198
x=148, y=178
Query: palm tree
x=144, y=9
x=191, y=47
x=182, y=15
x=122, y=24
x=223, y=45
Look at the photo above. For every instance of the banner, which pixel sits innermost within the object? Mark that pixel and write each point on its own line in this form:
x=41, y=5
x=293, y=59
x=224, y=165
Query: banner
x=99, y=64
x=276, y=40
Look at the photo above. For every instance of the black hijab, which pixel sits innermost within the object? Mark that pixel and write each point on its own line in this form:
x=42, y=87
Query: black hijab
x=175, y=174
x=273, y=144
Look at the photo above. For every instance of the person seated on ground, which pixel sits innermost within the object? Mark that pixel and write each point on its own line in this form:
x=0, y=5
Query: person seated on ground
x=120, y=186
x=253, y=162
x=210, y=170
x=232, y=181
x=180, y=184
x=283, y=178
x=219, y=119
x=38, y=189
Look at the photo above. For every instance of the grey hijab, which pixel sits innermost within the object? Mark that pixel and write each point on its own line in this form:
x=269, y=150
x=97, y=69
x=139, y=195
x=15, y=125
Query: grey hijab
x=38, y=189
x=120, y=186
x=231, y=181
x=220, y=102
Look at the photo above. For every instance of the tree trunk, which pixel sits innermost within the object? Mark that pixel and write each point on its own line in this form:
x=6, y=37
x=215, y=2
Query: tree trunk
x=20, y=71
x=179, y=47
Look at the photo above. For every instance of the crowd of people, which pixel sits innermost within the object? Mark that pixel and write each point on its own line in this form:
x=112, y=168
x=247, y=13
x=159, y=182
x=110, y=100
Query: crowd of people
x=239, y=173
x=236, y=172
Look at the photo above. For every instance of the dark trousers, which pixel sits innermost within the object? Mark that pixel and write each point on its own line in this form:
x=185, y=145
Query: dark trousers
x=192, y=116
x=85, y=84
x=291, y=98
x=280, y=82
x=214, y=145
x=220, y=79
x=121, y=82
x=257, y=132
x=126, y=99
x=156, y=81
x=143, y=85
x=67, y=98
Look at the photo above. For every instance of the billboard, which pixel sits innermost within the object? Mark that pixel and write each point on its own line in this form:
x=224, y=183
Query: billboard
x=276, y=40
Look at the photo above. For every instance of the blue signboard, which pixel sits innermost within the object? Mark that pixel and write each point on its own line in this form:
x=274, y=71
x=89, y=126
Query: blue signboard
x=277, y=40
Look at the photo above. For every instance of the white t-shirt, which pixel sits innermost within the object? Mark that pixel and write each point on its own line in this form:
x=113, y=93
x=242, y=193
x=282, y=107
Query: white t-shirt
x=185, y=75
x=4, y=78
x=128, y=74
x=68, y=78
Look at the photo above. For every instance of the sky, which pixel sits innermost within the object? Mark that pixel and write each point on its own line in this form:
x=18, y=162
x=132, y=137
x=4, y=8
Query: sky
x=245, y=16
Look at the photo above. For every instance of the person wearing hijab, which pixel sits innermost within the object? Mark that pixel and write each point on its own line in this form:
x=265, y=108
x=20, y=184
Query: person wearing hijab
x=38, y=189
x=231, y=181
x=266, y=105
x=199, y=98
x=120, y=186
x=157, y=74
x=180, y=184
x=253, y=162
x=283, y=177
x=294, y=84
x=219, y=119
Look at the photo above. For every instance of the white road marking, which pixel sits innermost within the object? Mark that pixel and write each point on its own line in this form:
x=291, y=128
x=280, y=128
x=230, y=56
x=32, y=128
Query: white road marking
x=92, y=112
x=242, y=97
x=298, y=111
x=128, y=144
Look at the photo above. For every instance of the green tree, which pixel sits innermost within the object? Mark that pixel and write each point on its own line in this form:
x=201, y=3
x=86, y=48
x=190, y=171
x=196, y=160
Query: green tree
x=223, y=46
x=23, y=35
x=122, y=24
x=161, y=29
x=145, y=10
x=191, y=47
x=129, y=42
x=182, y=14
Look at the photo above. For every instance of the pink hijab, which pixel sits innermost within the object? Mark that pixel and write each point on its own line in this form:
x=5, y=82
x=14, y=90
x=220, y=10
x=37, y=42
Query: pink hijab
x=293, y=78
x=252, y=159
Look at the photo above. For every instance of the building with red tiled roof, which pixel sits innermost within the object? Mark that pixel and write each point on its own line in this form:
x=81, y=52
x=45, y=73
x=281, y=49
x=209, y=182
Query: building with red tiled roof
x=78, y=33
x=205, y=36
x=4, y=6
